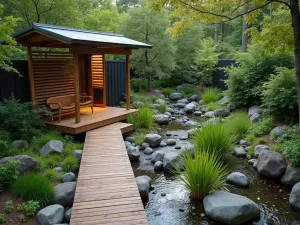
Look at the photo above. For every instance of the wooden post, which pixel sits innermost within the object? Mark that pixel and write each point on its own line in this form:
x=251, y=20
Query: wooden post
x=127, y=83
x=30, y=70
x=75, y=72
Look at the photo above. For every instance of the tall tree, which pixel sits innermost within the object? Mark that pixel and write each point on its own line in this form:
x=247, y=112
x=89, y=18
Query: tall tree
x=244, y=29
x=210, y=11
x=7, y=26
x=150, y=27
x=124, y=5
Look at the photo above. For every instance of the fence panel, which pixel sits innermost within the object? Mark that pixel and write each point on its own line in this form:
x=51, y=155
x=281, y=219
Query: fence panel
x=219, y=76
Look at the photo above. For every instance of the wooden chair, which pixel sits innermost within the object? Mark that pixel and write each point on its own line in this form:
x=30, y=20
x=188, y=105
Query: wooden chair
x=66, y=104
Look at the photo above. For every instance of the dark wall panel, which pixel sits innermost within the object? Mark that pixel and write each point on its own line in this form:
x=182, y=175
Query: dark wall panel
x=219, y=76
x=115, y=82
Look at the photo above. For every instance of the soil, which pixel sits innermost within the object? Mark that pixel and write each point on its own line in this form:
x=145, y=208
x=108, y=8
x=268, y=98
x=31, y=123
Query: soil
x=13, y=218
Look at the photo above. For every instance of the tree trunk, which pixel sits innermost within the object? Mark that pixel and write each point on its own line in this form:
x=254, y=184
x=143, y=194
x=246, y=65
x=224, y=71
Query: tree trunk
x=295, y=13
x=244, y=35
x=149, y=83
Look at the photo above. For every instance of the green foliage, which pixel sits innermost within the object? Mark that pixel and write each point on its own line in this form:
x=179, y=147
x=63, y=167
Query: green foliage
x=5, y=136
x=7, y=26
x=144, y=118
x=139, y=138
x=203, y=174
x=167, y=91
x=8, y=207
x=33, y=187
x=163, y=108
x=212, y=106
x=20, y=208
x=258, y=129
x=8, y=173
x=2, y=218
x=138, y=84
x=206, y=60
x=188, y=91
x=245, y=82
x=149, y=27
x=22, y=218
x=5, y=149
x=20, y=120
x=43, y=139
x=251, y=151
x=213, y=138
x=52, y=175
x=276, y=147
x=210, y=95
x=279, y=95
x=70, y=164
x=238, y=124
x=30, y=207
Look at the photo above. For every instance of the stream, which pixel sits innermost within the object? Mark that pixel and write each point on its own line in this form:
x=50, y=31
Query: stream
x=169, y=203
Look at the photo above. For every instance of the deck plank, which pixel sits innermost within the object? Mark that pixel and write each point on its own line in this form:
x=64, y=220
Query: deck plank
x=106, y=191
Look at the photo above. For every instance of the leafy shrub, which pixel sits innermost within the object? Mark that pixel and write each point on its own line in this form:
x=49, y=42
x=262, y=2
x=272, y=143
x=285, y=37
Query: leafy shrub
x=2, y=218
x=213, y=138
x=188, y=91
x=4, y=149
x=138, y=84
x=144, y=118
x=5, y=136
x=8, y=207
x=8, y=173
x=33, y=187
x=206, y=60
x=20, y=120
x=279, y=95
x=167, y=91
x=210, y=95
x=238, y=124
x=163, y=108
x=203, y=174
x=291, y=149
x=258, y=129
x=52, y=175
x=70, y=164
x=245, y=82
x=30, y=207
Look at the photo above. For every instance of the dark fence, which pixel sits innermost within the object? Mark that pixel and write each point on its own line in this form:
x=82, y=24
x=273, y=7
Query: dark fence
x=219, y=76
x=13, y=84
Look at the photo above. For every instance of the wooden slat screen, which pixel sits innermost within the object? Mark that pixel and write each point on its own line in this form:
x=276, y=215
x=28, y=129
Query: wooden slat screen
x=52, y=73
x=97, y=71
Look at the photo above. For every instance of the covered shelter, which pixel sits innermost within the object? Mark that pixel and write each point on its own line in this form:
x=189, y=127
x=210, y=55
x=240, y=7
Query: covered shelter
x=72, y=63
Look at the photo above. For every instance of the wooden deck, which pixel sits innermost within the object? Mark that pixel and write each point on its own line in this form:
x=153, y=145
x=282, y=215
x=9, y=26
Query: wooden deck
x=89, y=121
x=106, y=190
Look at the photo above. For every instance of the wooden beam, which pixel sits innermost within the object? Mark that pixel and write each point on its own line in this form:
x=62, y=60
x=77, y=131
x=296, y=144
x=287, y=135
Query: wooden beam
x=75, y=72
x=30, y=70
x=127, y=83
x=104, y=81
x=100, y=51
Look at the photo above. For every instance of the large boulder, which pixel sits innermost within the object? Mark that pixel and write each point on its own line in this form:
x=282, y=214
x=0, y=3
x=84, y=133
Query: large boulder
x=239, y=152
x=52, y=214
x=238, y=179
x=255, y=118
x=190, y=108
x=27, y=163
x=271, y=164
x=68, y=214
x=153, y=140
x=157, y=156
x=194, y=97
x=172, y=159
x=158, y=165
x=228, y=208
x=143, y=183
x=295, y=196
x=254, y=109
x=64, y=193
x=221, y=113
x=291, y=176
x=259, y=149
x=175, y=96
x=52, y=147
x=133, y=153
x=277, y=131
x=223, y=101
x=162, y=119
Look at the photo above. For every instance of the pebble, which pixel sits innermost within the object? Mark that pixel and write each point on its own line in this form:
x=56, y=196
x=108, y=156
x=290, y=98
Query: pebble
x=163, y=194
x=202, y=215
x=177, y=147
x=181, y=210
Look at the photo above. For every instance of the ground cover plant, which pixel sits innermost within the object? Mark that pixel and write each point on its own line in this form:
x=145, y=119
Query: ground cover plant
x=210, y=95
x=258, y=129
x=144, y=118
x=238, y=123
x=8, y=173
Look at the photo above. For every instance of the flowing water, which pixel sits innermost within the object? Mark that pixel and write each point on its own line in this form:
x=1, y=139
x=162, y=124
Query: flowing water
x=169, y=203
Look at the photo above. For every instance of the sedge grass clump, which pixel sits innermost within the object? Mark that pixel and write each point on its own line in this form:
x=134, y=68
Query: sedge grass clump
x=144, y=118
x=238, y=124
x=40, y=141
x=212, y=106
x=33, y=187
x=163, y=108
x=70, y=164
x=203, y=174
x=167, y=91
x=210, y=95
x=213, y=138
x=52, y=175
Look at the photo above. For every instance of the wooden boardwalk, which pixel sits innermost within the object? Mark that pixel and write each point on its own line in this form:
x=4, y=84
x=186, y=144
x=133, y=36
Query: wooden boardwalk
x=106, y=190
